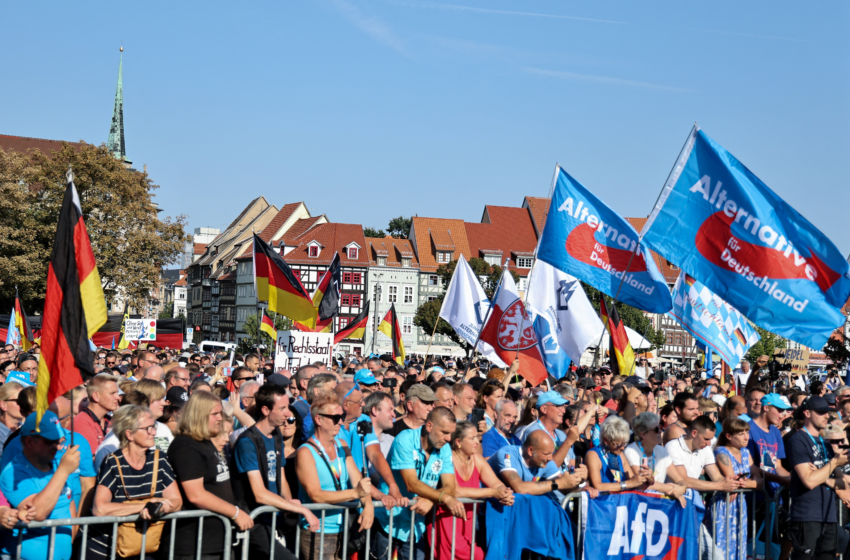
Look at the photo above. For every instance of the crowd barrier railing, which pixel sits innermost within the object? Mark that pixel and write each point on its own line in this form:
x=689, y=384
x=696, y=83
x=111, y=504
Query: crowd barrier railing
x=742, y=544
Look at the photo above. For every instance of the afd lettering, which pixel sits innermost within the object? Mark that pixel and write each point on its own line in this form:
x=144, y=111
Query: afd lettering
x=582, y=214
x=656, y=527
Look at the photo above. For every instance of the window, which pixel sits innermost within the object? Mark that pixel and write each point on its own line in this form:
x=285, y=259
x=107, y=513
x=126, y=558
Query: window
x=356, y=277
x=524, y=262
x=408, y=294
x=407, y=324
x=493, y=260
x=355, y=300
x=376, y=292
x=444, y=256
x=346, y=278
x=382, y=261
x=672, y=266
x=405, y=262
x=352, y=253
x=313, y=251
x=432, y=298
x=669, y=338
x=343, y=322
x=346, y=299
x=433, y=280
x=523, y=282
x=392, y=294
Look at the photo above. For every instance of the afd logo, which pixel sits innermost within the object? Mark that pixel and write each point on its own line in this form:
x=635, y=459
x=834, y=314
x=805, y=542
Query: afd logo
x=651, y=523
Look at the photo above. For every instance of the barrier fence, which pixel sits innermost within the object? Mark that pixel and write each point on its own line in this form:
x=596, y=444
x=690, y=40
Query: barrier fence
x=571, y=502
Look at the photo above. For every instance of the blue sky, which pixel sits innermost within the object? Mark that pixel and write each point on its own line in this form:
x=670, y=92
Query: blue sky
x=370, y=110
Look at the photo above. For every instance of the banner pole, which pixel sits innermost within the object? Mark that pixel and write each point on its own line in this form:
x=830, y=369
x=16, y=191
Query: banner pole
x=428, y=351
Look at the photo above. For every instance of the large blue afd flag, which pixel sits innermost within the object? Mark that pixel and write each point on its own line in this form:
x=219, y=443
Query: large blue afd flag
x=720, y=224
x=585, y=238
x=633, y=525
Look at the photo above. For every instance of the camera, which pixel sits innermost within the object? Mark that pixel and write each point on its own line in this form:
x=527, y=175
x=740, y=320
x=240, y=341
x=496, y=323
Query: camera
x=364, y=428
x=775, y=371
x=389, y=383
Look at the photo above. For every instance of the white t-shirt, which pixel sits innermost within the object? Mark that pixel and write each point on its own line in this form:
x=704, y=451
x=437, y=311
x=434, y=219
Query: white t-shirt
x=694, y=463
x=742, y=377
x=661, y=460
x=643, y=371
x=162, y=440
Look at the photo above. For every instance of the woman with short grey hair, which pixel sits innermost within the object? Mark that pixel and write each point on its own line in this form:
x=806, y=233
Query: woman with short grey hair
x=648, y=451
x=607, y=467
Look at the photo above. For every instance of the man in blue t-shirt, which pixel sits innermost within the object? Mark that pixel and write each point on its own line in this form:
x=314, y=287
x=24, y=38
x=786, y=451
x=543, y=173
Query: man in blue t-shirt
x=765, y=446
x=500, y=434
x=420, y=460
x=258, y=458
x=30, y=473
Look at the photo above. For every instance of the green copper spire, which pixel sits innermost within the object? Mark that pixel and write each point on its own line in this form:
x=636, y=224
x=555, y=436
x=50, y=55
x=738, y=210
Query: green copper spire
x=115, y=144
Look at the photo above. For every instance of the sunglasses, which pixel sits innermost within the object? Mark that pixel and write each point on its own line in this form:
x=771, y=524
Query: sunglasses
x=335, y=418
x=290, y=420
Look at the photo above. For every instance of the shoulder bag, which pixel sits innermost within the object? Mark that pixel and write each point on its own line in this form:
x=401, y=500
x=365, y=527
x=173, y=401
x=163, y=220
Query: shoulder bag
x=129, y=539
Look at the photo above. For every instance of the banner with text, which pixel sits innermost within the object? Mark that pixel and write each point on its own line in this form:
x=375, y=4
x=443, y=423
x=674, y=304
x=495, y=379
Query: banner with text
x=140, y=329
x=296, y=349
x=798, y=357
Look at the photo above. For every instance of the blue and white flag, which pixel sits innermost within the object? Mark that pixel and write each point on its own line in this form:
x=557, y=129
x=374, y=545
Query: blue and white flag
x=720, y=224
x=711, y=320
x=585, y=238
x=564, y=320
x=12, y=334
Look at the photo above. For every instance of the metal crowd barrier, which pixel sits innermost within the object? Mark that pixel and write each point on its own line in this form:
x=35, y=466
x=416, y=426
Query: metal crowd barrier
x=743, y=547
x=85, y=522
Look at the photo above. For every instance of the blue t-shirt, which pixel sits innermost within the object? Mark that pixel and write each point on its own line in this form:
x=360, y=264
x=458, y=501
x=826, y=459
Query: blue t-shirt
x=558, y=440
x=493, y=441
x=302, y=407
x=766, y=449
x=407, y=453
x=245, y=456
x=353, y=440
x=509, y=458
x=612, y=467
x=86, y=468
x=20, y=479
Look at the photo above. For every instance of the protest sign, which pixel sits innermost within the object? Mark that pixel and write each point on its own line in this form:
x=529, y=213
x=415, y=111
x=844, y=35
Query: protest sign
x=296, y=349
x=140, y=329
x=798, y=357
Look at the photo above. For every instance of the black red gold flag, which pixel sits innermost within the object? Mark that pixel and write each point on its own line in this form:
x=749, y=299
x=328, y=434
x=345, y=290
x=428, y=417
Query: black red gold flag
x=356, y=329
x=391, y=327
x=278, y=285
x=622, y=356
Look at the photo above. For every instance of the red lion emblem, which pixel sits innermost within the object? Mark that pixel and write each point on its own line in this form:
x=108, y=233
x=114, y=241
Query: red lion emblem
x=515, y=324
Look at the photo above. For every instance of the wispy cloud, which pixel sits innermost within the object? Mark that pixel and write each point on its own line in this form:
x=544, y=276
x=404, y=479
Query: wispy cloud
x=600, y=79
x=460, y=8
x=372, y=26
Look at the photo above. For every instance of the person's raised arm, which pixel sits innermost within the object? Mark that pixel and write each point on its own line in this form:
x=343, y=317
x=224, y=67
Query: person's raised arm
x=46, y=500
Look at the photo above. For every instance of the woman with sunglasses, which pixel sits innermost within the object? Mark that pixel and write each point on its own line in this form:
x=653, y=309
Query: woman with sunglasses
x=328, y=475
x=648, y=451
x=607, y=467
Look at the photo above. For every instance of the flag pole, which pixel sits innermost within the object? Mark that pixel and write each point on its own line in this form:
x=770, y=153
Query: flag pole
x=483, y=323
x=428, y=351
x=601, y=336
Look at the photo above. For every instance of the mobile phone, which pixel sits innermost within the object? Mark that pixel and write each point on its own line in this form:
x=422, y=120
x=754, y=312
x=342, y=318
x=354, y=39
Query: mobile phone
x=389, y=382
x=644, y=463
x=743, y=475
x=572, y=469
x=154, y=508
x=578, y=462
x=477, y=415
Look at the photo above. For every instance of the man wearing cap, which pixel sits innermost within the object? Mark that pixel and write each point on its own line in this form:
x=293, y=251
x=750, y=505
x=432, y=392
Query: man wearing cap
x=418, y=402
x=40, y=471
x=766, y=446
x=550, y=414
x=813, y=527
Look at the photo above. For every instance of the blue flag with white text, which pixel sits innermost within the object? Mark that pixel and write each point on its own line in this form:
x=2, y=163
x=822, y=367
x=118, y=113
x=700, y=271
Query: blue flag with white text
x=720, y=224
x=630, y=525
x=585, y=238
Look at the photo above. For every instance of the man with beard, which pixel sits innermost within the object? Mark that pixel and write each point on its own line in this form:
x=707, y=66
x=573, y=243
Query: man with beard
x=686, y=406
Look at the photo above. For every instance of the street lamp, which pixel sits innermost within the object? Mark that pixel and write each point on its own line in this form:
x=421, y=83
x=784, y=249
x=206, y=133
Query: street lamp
x=377, y=302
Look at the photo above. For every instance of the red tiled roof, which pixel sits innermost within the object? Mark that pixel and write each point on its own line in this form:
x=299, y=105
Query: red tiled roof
x=426, y=229
x=181, y=282
x=200, y=248
x=392, y=249
x=668, y=270
x=539, y=209
x=279, y=219
x=510, y=232
x=24, y=144
x=333, y=238
x=300, y=227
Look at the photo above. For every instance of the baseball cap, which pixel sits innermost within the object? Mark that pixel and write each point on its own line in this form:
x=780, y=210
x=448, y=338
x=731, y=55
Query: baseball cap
x=278, y=379
x=816, y=404
x=551, y=397
x=773, y=399
x=421, y=392
x=365, y=377
x=48, y=428
x=177, y=395
x=438, y=368
x=19, y=377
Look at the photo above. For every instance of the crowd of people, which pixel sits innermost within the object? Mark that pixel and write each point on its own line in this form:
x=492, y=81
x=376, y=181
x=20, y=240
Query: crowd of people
x=159, y=431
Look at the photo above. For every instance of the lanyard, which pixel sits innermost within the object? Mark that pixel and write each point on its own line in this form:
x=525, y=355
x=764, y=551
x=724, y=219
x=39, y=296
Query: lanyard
x=640, y=446
x=821, y=445
x=603, y=454
x=336, y=464
x=554, y=438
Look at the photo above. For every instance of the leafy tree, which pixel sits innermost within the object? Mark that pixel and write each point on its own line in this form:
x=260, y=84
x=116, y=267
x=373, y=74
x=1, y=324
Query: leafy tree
x=131, y=243
x=768, y=343
x=632, y=317
x=167, y=311
x=836, y=350
x=281, y=323
x=400, y=227
x=370, y=232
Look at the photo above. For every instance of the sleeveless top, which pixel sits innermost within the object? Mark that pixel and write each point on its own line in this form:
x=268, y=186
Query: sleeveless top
x=333, y=519
x=612, y=469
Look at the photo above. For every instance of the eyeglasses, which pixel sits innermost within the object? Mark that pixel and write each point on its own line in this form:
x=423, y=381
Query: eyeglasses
x=290, y=420
x=335, y=418
x=183, y=378
x=149, y=429
x=112, y=363
x=51, y=442
x=246, y=378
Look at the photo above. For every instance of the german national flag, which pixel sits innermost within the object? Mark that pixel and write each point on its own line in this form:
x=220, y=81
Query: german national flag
x=356, y=329
x=267, y=326
x=23, y=324
x=622, y=355
x=277, y=285
x=74, y=308
x=391, y=327
x=326, y=299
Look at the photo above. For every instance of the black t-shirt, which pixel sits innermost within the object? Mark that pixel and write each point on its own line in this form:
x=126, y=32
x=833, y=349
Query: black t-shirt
x=817, y=504
x=398, y=427
x=192, y=460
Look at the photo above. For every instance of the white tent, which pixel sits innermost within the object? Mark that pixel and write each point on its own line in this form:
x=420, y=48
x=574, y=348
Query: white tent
x=637, y=341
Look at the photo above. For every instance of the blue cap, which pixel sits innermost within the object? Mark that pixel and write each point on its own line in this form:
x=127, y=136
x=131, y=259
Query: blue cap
x=49, y=427
x=438, y=368
x=365, y=377
x=19, y=377
x=551, y=397
x=773, y=399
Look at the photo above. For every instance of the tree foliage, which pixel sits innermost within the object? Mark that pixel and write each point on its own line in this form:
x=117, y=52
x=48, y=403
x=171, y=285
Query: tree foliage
x=400, y=227
x=281, y=323
x=167, y=311
x=768, y=343
x=130, y=242
x=836, y=350
x=371, y=232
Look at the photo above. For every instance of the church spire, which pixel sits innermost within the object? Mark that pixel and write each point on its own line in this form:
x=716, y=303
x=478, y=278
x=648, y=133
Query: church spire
x=115, y=144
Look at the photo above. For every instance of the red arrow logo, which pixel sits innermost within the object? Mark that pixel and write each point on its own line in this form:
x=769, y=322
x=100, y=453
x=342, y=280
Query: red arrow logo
x=583, y=246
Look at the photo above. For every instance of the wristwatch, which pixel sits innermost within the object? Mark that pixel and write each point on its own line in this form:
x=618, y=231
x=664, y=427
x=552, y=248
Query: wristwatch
x=554, y=485
x=622, y=485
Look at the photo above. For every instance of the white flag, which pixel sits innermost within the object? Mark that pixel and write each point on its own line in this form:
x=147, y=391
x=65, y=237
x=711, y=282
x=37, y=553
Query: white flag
x=465, y=307
x=564, y=320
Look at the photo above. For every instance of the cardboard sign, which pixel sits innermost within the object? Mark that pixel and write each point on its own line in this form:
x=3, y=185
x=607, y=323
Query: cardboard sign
x=296, y=349
x=140, y=329
x=798, y=357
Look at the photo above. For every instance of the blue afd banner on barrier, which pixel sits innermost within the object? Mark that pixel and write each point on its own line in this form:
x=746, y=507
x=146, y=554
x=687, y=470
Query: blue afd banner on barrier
x=632, y=525
x=585, y=238
x=720, y=224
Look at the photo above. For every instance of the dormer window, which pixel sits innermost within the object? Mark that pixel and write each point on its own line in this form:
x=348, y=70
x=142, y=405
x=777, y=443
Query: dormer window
x=314, y=251
x=444, y=256
x=382, y=261
x=352, y=253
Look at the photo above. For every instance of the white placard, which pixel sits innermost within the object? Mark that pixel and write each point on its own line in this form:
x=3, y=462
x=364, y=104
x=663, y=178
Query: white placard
x=296, y=349
x=140, y=329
